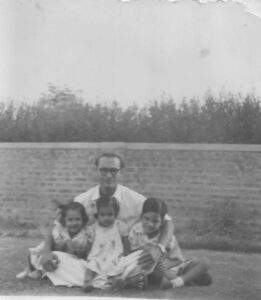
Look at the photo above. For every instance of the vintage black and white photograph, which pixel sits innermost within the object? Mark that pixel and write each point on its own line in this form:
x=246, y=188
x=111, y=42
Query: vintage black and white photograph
x=130, y=149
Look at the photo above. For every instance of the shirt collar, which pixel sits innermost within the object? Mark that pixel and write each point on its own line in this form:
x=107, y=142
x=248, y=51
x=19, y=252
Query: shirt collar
x=117, y=193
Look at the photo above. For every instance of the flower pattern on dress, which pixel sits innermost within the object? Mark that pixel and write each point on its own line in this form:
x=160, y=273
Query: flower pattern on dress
x=107, y=247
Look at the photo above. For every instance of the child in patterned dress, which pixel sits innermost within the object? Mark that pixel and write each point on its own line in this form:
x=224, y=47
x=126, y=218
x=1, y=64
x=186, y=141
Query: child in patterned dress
x=69, y=235
x=173, y=270
x=109, y=240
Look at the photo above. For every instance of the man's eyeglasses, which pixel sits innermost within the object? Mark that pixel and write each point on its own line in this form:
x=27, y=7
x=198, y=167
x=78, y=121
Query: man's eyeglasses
x=105, y=171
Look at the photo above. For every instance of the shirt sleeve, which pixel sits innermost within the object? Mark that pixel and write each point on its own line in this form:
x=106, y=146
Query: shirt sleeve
x=83, y=198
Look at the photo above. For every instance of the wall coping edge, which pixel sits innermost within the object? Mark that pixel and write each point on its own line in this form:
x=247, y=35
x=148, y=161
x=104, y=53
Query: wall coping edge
x=134, y=146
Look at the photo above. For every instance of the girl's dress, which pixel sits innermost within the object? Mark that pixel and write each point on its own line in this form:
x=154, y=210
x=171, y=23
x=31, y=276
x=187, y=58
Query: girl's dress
x=105, y=258
x=172, y=260
x=106, y=252
x=71, y=253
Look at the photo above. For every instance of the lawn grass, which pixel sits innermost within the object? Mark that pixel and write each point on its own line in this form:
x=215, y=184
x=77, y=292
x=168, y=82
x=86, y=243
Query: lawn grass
x=236, y=276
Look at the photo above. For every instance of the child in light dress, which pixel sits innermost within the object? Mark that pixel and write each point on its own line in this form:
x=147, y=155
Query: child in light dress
x=173, y=270
x=69, y=235
x=109, y=243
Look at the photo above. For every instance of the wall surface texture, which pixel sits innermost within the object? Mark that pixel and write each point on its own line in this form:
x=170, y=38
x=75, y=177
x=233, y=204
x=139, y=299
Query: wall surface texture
x=198, y=181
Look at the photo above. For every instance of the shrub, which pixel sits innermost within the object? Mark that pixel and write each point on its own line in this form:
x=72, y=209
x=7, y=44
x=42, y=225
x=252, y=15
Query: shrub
x=62, y=116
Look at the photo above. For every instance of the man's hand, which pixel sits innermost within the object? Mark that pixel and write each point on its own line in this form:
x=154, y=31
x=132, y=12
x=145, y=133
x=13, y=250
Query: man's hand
x=50, y=262
x=149, y=257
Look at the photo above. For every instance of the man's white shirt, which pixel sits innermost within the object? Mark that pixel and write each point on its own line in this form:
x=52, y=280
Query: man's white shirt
x=130, y=202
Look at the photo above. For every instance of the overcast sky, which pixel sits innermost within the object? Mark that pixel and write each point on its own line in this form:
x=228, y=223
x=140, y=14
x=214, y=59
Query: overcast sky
x=131, y=52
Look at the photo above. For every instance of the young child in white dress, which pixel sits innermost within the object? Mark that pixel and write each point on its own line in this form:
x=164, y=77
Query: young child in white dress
x=173, y=270
x=109, y=240
x=69, y=235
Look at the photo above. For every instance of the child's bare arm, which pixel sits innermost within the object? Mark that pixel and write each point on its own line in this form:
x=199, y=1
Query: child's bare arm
x=49, y=260
x=88, y=249
x=48, y=240
x=126, y=245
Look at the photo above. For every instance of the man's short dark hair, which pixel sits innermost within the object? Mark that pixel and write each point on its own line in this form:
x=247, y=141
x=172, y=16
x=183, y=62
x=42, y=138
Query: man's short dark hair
x=112, y=155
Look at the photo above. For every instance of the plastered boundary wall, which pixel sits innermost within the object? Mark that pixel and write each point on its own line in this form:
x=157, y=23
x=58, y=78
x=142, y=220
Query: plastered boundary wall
x=197, y=180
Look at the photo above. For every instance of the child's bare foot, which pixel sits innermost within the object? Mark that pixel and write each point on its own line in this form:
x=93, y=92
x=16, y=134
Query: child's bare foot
x=34, y=274
x=23, y=274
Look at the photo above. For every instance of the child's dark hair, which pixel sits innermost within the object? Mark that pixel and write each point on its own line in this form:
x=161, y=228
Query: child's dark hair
x=73, y=206
x=105, y=201
x=155, y=205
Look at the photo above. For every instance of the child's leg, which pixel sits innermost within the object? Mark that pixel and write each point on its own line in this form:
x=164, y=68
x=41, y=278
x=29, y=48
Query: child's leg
x=88, y=277
x=158, y=274
x=33, y=272
x=193, y=272
x=204, y=280
x=31, y=267
x=196, y=273
x=26, y=271
x=34, y=267
x=165, y=271
x=132, y=276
